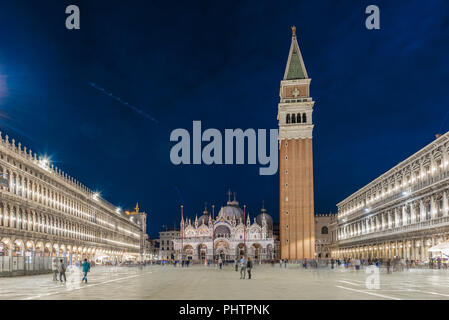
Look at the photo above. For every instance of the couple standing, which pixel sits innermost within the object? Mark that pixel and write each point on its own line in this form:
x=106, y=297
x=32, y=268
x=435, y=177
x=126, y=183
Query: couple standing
x=244, y=266
x=61, y=269
x=58, y=267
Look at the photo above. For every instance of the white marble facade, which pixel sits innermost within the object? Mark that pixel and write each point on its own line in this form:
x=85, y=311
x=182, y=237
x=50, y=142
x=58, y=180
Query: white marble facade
x=45, y=212
x=402, y=213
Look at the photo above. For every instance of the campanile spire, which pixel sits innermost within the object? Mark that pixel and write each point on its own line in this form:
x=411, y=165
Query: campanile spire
x=297, y=228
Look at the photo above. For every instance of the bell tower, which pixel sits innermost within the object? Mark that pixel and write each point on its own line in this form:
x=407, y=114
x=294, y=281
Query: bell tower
x=297, y=229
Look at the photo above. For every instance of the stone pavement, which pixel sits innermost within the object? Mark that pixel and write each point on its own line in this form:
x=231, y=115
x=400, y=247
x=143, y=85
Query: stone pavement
x=206, y=283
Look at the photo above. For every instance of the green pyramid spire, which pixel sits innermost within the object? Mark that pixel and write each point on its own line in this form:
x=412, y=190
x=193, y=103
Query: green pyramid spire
x=295, y=70
x=295, y=65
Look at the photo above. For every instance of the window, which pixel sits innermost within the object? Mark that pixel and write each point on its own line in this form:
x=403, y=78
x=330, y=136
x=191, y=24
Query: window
x=287, y=120
x=324, y=230
x=304, y=118
x=293, y=118
x=298, y=118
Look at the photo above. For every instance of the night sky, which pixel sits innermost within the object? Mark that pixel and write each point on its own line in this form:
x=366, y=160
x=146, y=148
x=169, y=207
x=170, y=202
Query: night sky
x=380, y=95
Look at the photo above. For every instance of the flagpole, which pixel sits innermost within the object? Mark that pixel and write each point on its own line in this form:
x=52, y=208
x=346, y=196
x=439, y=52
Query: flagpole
x=182, y=231
x=244, y=228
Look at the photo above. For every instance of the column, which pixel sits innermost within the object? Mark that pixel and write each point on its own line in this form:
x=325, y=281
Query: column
x=422, y=210
x=445, y=204
x=433, y=209
x=412, y=212
x=404, y=216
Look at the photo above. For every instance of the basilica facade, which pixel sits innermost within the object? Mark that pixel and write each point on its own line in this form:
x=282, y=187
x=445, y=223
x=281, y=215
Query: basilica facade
x=227, y=236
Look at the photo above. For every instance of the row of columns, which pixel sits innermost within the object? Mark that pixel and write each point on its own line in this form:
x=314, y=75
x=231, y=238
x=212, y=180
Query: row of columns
x=409, y=213
x=411, y=249
x=407, y=176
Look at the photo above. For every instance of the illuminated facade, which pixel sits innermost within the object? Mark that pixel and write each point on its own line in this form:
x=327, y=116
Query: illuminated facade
x=228, y=236
x=402, y=213
x=44, y=212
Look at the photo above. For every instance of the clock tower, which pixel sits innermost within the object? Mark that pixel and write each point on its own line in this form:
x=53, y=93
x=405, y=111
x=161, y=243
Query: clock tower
x=297, y=223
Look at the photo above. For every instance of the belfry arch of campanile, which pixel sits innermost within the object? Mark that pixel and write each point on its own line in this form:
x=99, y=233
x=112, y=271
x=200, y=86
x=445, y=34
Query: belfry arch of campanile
x=297, y=229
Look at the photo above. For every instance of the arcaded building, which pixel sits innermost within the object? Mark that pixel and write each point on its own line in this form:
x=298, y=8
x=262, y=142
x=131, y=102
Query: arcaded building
x=46, y=213
x=402, y=213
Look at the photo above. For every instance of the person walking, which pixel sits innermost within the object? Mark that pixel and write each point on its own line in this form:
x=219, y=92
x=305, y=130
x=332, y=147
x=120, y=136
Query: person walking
x=86, y=269
x=280, y=263
x=249, y=267
x=242, y=267
x=236, y=262
x=55, y=269
x=286, y=263
x=332, y=263
x=62, y=268
x=220, y=263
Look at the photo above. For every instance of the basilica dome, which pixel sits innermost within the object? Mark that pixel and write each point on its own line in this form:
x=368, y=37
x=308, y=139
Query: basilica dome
x=231, y=211
x=204, y=219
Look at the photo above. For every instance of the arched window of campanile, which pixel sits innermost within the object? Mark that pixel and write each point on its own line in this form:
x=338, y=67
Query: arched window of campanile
x=304, y=118
x=287, y=119
x=293, y=118
x=298, y=118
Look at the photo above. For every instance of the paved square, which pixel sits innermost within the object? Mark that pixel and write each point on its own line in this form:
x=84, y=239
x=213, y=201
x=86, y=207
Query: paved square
x=205, y=283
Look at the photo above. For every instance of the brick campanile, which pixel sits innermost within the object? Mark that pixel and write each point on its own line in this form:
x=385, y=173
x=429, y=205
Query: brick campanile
x=297, y=223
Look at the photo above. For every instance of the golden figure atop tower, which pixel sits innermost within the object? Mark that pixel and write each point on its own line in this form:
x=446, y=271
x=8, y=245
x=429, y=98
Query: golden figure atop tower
x=293, y=31
x=136, y=210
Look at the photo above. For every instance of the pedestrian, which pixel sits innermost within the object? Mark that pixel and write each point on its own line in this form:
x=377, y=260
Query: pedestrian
x=220, y=263
x=357, y=264
x=55, y=269
x=388, y=265
x=280, y=263
x=242, y=267
x=236, y=262
x=249, y=267
x=62, y=268
x=286, y=262
x=86, y=269
x=332, y=263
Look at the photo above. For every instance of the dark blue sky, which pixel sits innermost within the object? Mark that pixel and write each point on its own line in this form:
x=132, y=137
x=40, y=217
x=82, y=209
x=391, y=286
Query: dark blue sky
x=380, y=95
